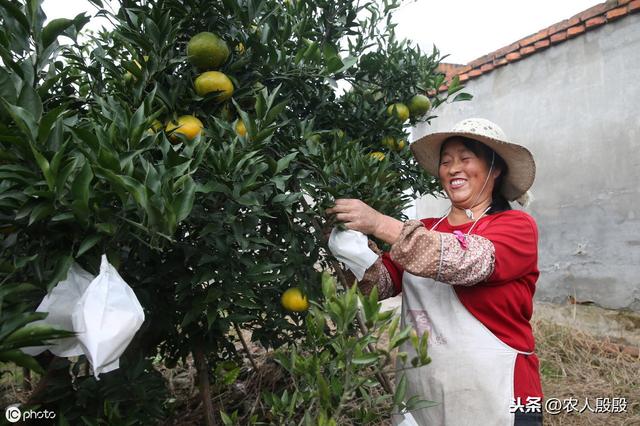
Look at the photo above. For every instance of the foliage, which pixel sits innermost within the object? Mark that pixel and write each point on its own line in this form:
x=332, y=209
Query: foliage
x=208, y=232
x=18, y=328
x=334, y=368
x=133, y=394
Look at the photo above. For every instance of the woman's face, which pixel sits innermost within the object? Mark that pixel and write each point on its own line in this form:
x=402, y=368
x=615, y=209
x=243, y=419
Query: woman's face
x=463, y=174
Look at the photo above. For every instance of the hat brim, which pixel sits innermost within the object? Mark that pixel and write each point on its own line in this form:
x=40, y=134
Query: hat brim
x=519, y=160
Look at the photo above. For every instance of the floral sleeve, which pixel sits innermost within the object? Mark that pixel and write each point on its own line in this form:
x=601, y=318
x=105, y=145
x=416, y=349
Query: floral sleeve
x=457, y=260
x=376, y=275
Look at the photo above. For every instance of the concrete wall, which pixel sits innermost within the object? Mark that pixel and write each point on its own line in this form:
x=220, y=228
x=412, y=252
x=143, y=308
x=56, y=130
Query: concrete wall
x=576, y=106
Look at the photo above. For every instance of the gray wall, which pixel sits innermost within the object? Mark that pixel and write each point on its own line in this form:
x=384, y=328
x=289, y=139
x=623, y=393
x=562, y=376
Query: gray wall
x=576, y=106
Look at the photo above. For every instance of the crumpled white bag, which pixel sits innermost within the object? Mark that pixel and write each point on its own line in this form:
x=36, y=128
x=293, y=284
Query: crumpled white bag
x=351, y=248
x=106, y=318
x=406, y=420
x=103, y=311
x=60, y=304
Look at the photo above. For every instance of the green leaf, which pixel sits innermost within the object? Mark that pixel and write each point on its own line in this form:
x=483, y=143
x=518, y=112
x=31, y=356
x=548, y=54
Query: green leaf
x=275, y=111
x=454, y=85
x=80, y=191
x=17, y=321
x=62, y=217
x=61, y=178
x=23, y=119
x=401, y=391
x=88, y=243
x=23, y=360
x=43, y=163
x=34, y=334
x=47, y=122
x=231, y=376
x=183, y=203
x=53, y=29
x=336, y=65
x=30, y=101
x=368, y=358
x=62, y=268
x=39, y=212
x=283, y=163
x=16, y=13
x=462, y=97
x=226, y=419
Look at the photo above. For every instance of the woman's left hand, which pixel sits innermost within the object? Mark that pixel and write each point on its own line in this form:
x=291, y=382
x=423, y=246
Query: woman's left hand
x=356, y=215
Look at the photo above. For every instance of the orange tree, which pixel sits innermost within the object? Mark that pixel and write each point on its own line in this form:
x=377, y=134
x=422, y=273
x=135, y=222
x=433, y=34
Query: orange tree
x=202, y=169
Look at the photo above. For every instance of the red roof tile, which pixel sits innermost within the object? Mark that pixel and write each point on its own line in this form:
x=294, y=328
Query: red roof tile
x=559, y=32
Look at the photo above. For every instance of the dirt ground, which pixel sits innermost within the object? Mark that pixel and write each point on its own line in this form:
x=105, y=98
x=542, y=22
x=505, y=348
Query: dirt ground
x=589, y=362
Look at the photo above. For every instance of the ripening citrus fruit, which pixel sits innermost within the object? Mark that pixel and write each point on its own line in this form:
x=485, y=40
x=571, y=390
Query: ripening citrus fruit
x=399, y=110
x=214, y=81
x=389, y=142
x=401, y=144
x=207, y=51
x=187, y=125
x=241, y=130
x=294, y=300
x=239, y=48
x=155, y=127
x=377, y=155
x=418, y=105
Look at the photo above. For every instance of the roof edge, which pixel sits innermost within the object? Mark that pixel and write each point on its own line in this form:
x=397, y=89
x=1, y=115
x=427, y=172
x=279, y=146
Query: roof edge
x=559, y=32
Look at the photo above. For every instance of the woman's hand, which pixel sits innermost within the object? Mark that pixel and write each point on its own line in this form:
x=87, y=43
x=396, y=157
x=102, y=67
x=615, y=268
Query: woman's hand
x=356, y=215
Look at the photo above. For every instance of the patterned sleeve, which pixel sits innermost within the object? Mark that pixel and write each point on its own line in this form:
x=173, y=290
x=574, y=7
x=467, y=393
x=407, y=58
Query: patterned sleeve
x=457, y=260
x=376, y=275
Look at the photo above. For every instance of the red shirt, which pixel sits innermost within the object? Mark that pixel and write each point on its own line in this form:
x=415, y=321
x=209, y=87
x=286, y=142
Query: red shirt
x=503, y=302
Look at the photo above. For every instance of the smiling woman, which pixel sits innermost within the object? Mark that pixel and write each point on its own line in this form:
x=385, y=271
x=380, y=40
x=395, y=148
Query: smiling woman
x=463, y=167
x=467, y=278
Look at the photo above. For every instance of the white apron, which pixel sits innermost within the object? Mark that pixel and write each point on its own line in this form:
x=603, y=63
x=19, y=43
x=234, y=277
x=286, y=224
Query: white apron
x=471, y=371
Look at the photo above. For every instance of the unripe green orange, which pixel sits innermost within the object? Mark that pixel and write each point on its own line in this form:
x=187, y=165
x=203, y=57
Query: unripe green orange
x=207, y=51
x=419, y=105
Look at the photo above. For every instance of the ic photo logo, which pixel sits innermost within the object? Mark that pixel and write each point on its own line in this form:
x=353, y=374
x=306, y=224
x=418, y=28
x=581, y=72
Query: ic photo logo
x=13, y=414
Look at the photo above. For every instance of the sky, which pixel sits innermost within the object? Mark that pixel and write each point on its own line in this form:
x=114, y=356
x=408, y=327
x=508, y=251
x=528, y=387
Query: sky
x=463, y=29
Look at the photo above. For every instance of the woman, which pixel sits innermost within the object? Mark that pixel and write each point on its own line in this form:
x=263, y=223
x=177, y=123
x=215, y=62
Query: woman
x=468, y=278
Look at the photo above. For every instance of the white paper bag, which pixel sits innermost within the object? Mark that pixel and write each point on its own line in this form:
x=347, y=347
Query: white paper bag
x=60, y=304
x=405, y=420
x=106, y=318
x=352, y=248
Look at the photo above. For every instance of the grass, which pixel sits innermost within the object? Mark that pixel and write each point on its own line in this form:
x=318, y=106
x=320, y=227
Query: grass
x=577, y=365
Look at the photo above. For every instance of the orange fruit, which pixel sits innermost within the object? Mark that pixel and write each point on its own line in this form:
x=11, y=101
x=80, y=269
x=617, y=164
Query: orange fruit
x=156, y=126
x=389, y=142
x=293, y=300
x=187, y=125
x=207, y=51
x=241, y=130
x=377, y=155
x=399, y=110
x=214, y=81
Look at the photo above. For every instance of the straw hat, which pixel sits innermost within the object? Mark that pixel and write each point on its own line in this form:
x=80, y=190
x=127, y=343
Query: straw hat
x=522, y=168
